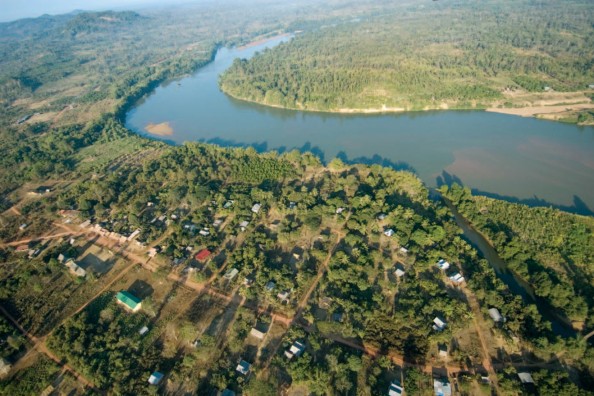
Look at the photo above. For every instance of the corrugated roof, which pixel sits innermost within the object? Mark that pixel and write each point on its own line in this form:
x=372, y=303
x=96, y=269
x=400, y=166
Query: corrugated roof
x=128, y=299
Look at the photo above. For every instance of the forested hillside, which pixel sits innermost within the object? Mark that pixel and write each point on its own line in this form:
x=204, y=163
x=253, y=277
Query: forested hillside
x=456, y=54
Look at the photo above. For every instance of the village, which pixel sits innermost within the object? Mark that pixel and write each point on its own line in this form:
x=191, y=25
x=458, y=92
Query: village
x=242, y=287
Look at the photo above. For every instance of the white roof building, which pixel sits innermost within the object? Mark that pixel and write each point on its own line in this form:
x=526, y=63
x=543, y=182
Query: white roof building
x=395, y=388
x=399, y=272
x=243, y=367
x=232, y=273
x=495, y=315
x=457, y=278
x=243, y=225
x=389, y=232
x=295, y=350
x=143, y=331
x=443, y=265
x=155, y=378
x=526, y=378
x=284, y=296
x=339, y=210
x=75, y=269
x=257, y=333
x=256, y=208
x=442, y=387
x=439, y=324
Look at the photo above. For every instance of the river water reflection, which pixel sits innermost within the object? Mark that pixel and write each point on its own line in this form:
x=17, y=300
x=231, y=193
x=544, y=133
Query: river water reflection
x=507, y=156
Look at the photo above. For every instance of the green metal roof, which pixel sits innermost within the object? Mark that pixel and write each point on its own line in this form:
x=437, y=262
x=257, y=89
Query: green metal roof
x=129, y=299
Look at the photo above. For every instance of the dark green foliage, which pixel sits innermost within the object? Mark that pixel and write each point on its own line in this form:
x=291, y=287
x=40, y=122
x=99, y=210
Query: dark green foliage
x=32, y=380
x=466, y=56
x=103, y=342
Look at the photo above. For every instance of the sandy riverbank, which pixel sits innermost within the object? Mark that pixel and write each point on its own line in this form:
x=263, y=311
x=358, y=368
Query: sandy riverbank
x=541, y=110
x=162, y=129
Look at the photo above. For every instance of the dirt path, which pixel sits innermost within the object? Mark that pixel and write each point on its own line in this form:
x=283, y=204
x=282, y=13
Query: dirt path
x=39, y=346
x=479, y=324
x=305, y=299
x=40, y=238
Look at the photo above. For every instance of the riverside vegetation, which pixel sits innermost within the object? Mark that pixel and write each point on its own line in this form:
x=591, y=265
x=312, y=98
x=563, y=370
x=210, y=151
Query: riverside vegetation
x=471, y=55
x=80, y=83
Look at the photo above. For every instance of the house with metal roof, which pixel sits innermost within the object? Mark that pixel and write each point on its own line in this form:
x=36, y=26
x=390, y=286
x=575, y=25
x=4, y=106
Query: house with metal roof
x=155, y=378
x=243, y=367
x=395, y=388
x=129, y=301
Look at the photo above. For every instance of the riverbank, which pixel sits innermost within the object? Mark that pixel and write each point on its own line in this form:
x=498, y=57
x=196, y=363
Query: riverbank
x=517, y=285
x=565, y=108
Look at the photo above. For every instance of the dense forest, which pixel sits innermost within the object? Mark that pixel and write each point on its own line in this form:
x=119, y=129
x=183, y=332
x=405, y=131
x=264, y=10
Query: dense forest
x=469, y=55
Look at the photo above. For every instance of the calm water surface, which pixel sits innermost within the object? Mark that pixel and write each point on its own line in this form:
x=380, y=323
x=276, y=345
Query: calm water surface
x=508, y=156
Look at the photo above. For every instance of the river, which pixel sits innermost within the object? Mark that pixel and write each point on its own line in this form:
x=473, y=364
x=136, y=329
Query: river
x=514, y=158
x=515, y=284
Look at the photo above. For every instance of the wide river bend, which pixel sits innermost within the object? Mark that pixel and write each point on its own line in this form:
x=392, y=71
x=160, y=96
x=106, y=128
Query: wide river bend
x=514, y=158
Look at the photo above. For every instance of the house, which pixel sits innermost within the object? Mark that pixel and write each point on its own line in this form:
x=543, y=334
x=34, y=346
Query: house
x=442, y=350
x=227, y=392
x=295, y=350
x=339, y=210
x=395, y=388
x=248, y=281
x=75, y=269
x=526, y=378
x=134, y=235
x=129, y=301
x=257, y=333
x=203, y=255
x=232, y=273
x=21, y=249
x=495, y=315
x=389, y=232
x=325, y=302
x=61, y=258
x=443, y=265
x=243, y=225
x=381, y=216
x=23, y=226
x=292, y=205
x=403, y=250
x=337, y=316
x=256, y=208
x=243, y=367
x=4, y=367
x=217, y=222
x=591, y=86
x=547, y=88
x=143, y=331
x=204, y=232
x=228, y=204
x=399, y=272
x=284, y=296
x=270, y=286
x=41, y=190
x=457, y=278
x=155, y=378
x=442, y=387
x=439, y=324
